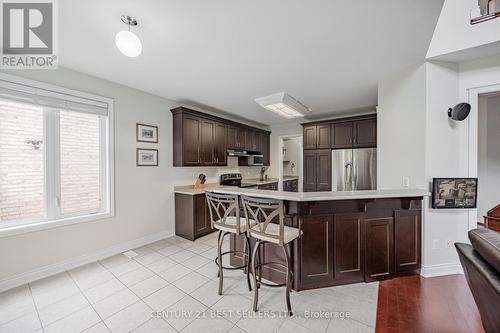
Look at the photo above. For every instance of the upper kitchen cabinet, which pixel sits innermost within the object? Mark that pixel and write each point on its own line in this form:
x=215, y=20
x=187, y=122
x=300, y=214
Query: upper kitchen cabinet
x=365, y=133
x=342, y=133
x=200, y=139
x=317, y=136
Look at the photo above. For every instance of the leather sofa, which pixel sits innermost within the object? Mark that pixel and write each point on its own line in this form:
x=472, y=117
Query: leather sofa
x=481, y=264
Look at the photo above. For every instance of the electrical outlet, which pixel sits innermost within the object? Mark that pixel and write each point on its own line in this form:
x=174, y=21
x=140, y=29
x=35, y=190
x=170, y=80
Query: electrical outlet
x=406, y=182
x=435, y=244
x=448, y=243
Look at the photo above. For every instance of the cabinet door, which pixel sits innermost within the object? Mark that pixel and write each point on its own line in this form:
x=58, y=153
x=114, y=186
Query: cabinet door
x=202, y=223
x=310, y=171
x=342, y=135
x=316, y=251
x=231, y=137
x=365, y=133
x=191, y=131
x=265, y=149
x=323, y=136
x=220, y=144
x=407, y=238
x=324, y=172
x=241, y=137
x=349, y=247
x=309, y=137
x=207, y=142
x=251, y=140
x=379, y=248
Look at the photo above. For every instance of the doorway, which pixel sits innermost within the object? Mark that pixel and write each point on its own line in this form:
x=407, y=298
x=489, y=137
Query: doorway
x=290, y=162
x=488, y=153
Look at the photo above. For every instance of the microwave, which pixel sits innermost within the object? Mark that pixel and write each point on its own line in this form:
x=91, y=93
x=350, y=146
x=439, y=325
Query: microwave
x=255, y=160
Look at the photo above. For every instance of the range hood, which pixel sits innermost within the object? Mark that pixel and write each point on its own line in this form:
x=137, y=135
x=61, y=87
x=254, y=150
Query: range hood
x=237, y=153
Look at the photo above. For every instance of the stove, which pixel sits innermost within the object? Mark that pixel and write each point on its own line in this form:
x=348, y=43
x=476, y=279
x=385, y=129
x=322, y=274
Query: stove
x=231, y=179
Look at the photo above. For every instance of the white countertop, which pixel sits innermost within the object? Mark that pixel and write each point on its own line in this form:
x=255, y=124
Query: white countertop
x=323, y=196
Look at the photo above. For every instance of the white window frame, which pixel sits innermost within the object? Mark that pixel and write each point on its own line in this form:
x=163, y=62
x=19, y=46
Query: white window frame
x=52, y=187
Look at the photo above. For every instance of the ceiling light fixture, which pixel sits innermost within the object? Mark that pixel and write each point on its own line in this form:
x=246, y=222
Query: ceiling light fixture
x=284, y=105
x=126, y=41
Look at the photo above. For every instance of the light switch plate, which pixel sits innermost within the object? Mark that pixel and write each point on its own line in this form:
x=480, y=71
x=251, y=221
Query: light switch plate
x=406, y=182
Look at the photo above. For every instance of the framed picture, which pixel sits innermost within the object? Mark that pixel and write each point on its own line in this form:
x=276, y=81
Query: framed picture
x=147, y=157
x=454, y=193
x=147, y=133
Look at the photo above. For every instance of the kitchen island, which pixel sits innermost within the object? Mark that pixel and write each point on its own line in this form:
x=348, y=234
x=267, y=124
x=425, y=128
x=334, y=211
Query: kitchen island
x=347, y=237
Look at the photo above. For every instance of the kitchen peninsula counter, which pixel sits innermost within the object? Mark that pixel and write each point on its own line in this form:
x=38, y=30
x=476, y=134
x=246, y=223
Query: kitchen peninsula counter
x=347, y=237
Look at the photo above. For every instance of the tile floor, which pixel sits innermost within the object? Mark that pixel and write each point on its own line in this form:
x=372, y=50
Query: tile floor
x=171, y=286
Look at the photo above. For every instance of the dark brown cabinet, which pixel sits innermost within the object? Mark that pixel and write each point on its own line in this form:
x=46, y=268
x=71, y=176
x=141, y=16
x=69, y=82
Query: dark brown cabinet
x=342, y=135
x=316, y=251
x=192, y=217
x=365, y=133
x=207, y=142
x=407, y=240
x=349, y=247
x=220, y=144
x=379, y=248
x=317, y=136
x=202, y=140
x=317, y=170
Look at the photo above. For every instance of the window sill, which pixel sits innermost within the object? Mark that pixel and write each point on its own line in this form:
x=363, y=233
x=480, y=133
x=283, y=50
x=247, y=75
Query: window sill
x=45, y=225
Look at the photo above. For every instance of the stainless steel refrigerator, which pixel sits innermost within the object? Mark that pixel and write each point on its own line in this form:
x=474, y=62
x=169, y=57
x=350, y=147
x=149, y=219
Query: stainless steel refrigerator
x=354, y=169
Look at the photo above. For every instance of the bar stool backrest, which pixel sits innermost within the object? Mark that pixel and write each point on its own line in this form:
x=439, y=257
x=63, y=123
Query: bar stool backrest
x=264, y=212
x=223, y=209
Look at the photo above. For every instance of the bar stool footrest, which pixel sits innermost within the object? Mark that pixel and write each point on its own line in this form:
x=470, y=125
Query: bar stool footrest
x=231, y=268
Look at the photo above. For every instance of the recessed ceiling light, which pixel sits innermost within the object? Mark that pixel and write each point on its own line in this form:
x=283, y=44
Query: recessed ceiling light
x=126, y=41
x=284, y=105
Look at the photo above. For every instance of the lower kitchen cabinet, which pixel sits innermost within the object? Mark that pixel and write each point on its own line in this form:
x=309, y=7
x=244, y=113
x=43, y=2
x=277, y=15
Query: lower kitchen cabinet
x=192, y=217
x=407, y=240
x=349, y=247
x=379, y=248
x=316, y=251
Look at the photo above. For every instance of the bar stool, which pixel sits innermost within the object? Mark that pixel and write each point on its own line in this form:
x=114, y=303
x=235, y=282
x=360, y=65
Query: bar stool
x=225, y=217
x=266, y=212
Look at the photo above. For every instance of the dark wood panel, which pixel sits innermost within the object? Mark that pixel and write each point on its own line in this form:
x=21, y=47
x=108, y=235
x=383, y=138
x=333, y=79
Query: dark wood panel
x=309, y=137
x=324, y=170
x=323, y=136
x=241, y=137
x=407, y=240
x=191, y=129
x=365, y=133
x=291, y=185
x=202, y=223
x=184, y=216
x=310, y=171
x=265, y=148
x=316, y=254
x=342, y=135
x=349, y=247
x=379, y=248
x=220, y=144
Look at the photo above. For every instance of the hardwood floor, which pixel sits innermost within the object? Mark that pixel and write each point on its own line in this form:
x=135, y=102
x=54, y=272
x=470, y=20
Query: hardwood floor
x=417, y=304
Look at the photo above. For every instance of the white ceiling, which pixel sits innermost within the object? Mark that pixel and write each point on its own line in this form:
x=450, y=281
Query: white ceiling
x=329, y=54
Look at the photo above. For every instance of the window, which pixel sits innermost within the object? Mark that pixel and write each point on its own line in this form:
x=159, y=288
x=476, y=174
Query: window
x=55, y=156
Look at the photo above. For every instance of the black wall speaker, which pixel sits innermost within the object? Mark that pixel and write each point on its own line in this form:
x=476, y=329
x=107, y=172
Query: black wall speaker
x=459, y=112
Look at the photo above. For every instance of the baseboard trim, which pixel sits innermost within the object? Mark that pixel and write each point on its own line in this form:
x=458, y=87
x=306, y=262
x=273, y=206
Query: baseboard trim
x=46, y=271
x=441, y=269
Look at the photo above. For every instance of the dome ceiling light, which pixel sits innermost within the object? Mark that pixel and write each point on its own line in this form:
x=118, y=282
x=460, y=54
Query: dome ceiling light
x=126, y=41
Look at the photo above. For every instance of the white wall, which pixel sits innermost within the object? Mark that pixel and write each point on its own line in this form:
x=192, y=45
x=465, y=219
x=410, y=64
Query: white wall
x=489, y=156
x=144, y=196
x=454, y=32
x=401, y=129
x=277, y=131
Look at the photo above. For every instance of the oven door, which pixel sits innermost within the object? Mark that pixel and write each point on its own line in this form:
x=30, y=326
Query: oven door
x=255, y=160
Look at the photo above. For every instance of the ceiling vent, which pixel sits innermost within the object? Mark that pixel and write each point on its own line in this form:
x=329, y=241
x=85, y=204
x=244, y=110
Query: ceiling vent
x=284, y=105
